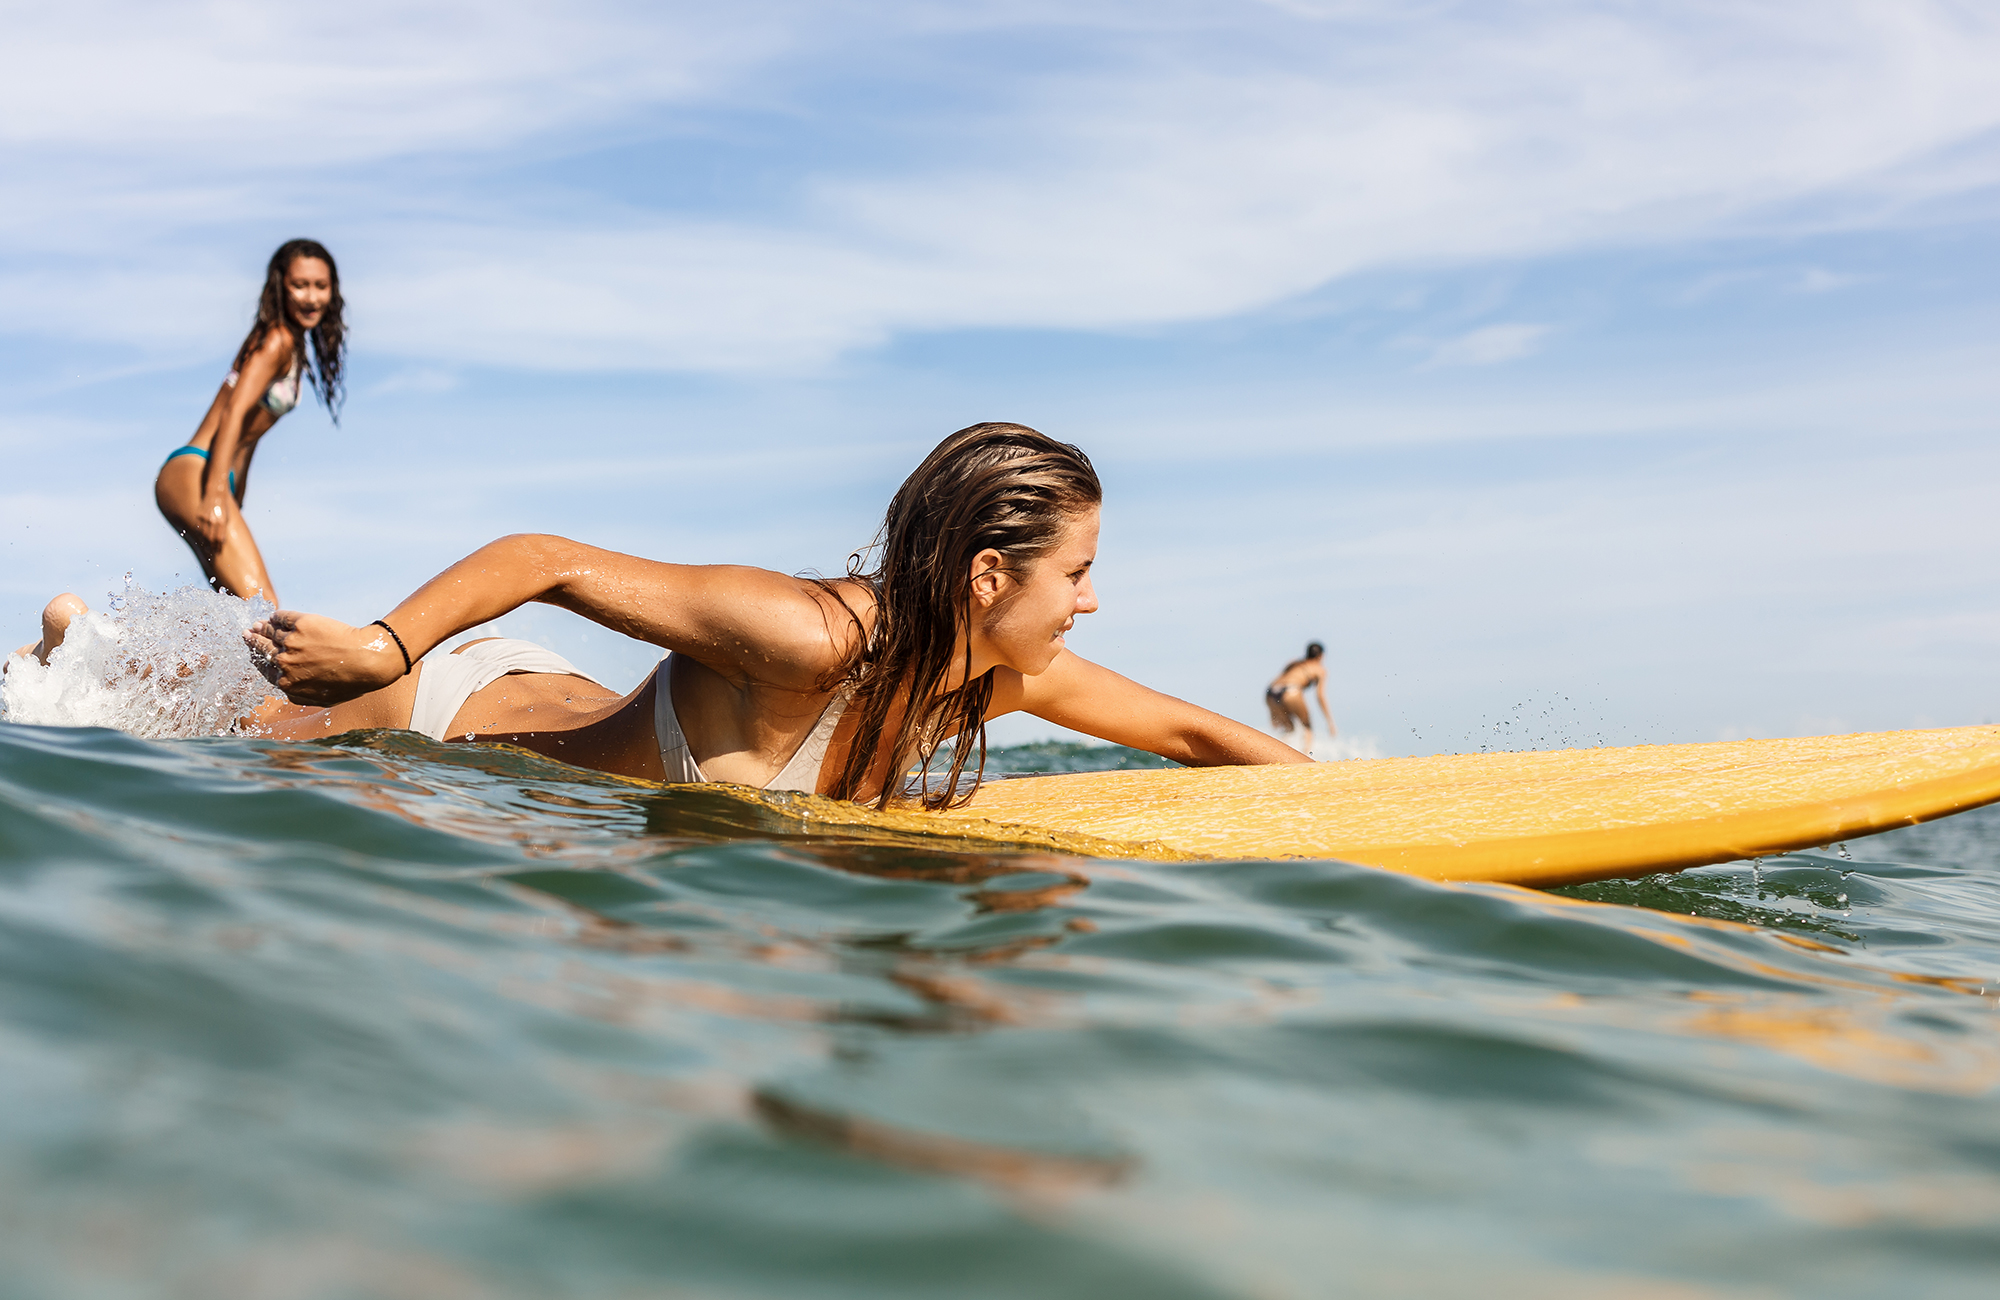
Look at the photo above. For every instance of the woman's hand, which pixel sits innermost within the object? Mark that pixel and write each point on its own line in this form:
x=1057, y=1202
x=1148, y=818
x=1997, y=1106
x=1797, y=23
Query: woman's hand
x=211, y=518
x=316, y=660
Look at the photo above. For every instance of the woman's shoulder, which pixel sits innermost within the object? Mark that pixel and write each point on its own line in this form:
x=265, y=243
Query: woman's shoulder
x=783, y=630
x=277, y=345
x=847, y=608
x=854, y=594
x=272, y=352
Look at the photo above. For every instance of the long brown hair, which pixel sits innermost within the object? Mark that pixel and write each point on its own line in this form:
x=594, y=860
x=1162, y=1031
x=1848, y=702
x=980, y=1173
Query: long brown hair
x=1002, y=486
x=329, y=337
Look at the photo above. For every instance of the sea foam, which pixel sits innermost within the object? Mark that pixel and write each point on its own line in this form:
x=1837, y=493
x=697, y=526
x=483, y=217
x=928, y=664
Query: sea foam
x=160, y=666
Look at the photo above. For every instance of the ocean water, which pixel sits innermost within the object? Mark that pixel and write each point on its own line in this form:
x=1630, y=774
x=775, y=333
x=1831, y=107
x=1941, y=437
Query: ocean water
x=375, y=1017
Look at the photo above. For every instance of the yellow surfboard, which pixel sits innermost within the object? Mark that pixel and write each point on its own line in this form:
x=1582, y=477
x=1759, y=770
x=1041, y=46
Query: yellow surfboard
x=1544, y=818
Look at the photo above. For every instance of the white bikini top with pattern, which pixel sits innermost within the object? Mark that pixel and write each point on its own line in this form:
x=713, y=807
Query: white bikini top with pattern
x=283, y=394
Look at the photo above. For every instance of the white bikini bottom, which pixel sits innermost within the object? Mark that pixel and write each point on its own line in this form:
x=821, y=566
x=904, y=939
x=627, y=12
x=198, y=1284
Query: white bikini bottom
x=448, y=681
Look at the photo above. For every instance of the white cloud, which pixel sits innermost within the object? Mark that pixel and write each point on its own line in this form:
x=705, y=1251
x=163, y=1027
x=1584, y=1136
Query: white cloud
x=415, y=379
x=1489, y=345
x=235, y=87
x=1176, y=163
x=1817, y=279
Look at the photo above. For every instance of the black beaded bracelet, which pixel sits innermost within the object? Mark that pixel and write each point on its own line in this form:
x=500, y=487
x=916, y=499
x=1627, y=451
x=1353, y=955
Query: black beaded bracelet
x=407, y=665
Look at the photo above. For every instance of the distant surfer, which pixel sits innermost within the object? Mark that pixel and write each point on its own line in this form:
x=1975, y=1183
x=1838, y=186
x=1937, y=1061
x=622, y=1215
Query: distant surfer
x=200, y=489
x=1286, y=697
x=831, y=686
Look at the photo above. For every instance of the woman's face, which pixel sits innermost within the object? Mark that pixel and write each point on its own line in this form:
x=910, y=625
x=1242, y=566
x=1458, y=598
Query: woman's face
x=308, y=289
x=1019, y=616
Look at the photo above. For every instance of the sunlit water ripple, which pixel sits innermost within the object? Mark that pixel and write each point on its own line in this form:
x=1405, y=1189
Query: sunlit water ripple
x=382, y=1018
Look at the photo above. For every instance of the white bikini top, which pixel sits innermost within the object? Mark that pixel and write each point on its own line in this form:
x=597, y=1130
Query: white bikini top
x=801, y=773
x=283, y=394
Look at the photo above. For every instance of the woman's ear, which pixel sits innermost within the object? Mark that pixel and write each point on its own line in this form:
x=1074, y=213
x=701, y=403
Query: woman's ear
x=988, y=577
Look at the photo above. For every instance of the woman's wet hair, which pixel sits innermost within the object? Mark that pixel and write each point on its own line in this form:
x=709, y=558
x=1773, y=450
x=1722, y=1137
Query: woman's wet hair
x=1314, y=649
x=1002, y=486
x=325, y=370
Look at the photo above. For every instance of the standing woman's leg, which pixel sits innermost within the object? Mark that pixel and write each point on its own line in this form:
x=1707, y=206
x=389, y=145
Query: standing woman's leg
x=236, y=565
x=1295, y=701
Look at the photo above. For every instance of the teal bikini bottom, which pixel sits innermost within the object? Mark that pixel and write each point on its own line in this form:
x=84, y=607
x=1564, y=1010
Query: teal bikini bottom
x=192, y=450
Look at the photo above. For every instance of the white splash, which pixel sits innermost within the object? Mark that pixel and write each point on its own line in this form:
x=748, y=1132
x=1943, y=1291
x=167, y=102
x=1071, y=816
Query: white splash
x=157, y=666
x=1345, y=746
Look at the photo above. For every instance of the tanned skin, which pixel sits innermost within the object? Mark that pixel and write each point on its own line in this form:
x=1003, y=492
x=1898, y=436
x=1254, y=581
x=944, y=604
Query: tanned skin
x=752, y=649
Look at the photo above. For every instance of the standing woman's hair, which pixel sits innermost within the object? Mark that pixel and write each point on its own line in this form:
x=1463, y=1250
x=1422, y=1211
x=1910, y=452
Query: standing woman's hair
x=1002, y=486
x=329, y=337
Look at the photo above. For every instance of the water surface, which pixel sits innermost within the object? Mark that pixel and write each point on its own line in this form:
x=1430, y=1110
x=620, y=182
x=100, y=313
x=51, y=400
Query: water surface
x=383, y=1018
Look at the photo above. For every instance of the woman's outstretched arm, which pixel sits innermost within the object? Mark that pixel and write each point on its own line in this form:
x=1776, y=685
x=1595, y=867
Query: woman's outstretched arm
x=750, y=625
x=1076, y=693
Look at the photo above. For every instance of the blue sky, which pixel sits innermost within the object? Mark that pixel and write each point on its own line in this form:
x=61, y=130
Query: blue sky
x=1578, y=371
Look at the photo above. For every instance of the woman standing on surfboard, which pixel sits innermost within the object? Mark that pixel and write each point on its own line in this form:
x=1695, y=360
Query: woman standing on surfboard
x=200, y=489
x=783, y=683
x=1286, y=696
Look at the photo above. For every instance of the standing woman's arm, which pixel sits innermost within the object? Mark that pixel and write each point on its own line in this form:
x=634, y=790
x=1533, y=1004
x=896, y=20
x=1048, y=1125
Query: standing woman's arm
x=1319, y=685
x=272, y=357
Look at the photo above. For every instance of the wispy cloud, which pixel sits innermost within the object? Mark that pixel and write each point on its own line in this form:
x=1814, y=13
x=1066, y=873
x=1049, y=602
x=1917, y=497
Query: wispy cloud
x=230, y=87
x=427, y=380
x=1817, y=279
x=1489, y=345
x=920, y=167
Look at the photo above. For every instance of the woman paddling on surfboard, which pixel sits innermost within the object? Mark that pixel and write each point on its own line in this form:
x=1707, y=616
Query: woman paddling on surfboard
x=200, y=489
x=1286, y=696
x=784, y=683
